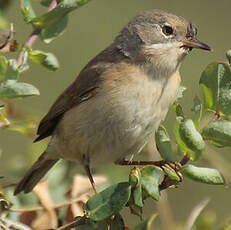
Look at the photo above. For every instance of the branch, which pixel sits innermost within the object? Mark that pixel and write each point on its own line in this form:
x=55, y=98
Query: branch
x=216, y=115
x=34, y=35
x=73, y=224
x=39, y=208
x=9, y=224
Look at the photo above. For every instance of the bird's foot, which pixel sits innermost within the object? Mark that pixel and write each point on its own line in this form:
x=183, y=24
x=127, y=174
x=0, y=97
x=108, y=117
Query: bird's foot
x=175, y=166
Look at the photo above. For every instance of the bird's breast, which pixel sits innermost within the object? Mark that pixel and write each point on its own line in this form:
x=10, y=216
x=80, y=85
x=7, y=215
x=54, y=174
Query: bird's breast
x=150, y=101
x=119, y=121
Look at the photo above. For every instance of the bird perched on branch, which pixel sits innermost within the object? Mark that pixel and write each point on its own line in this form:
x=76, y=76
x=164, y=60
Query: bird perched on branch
x=118, y=100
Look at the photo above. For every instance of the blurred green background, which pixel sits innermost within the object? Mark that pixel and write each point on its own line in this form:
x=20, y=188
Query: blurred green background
x=91, y=28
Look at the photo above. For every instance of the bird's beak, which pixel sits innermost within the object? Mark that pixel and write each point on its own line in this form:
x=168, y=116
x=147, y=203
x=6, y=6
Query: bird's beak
x=194, y=43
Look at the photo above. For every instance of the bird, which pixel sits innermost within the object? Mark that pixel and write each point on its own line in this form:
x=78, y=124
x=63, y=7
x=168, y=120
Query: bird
x=118, y=100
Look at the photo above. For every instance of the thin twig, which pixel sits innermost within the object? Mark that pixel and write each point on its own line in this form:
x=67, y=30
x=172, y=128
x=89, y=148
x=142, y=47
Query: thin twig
x=128, y=162
x=185, y=159
x=53, y=4
x=216, y=116
x=73, y=224
x=34, y=35
x=9, y=224
x=39, y=208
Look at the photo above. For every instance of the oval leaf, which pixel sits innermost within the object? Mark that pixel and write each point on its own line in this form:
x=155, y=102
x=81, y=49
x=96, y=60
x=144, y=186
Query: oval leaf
x=192, y=138
x=53, y=31
x=12, y=72
x=163, y=144
x=216, y=84
x=8, y=69
x=204, y=175
x=13, y=89
x=62, y=9
x=182, y=148
x=150, y=176
x=218, y=133
x=48, y=60
x=135, y=182
x=3, y=67
x=27, y=10
x=108, y=202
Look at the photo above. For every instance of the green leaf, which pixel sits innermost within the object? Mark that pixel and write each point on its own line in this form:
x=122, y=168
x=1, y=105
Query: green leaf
x=180, y=92
x=216, y=84
x=61, y=10
x=108, y=202
x=45, y=2
x=3, y=67
x=204, y=175
x=27, y=10
x=218, y=133
x=54, y=30
x=192, y=138
x=12, y=72
x=135, y=182
x=13, y=89
x=8, y=69
x=163, y=144
x=197, y=109
x=147, y=224
x=182, y=148
x=150, y=176
x=47, y=60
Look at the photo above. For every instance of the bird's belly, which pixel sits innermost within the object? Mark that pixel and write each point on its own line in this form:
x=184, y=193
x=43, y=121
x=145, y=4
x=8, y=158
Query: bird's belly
x=107, y=128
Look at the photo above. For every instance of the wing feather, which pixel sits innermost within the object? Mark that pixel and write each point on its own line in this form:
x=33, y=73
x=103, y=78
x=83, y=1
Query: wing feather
x=82, y=89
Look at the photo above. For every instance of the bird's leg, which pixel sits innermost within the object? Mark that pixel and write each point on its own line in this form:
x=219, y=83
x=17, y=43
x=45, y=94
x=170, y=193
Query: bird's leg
x=176, y=166
x=88, y=171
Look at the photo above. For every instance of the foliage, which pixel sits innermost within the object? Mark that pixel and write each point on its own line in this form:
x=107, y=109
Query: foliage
x=102, y=210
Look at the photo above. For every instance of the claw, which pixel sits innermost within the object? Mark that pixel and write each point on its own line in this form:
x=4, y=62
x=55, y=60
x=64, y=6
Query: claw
x=176, y=167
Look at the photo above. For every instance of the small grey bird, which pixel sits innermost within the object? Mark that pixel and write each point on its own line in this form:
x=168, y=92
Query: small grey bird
x=118, y=100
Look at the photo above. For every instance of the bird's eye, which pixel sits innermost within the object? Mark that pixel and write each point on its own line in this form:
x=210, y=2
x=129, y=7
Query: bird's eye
x=167, y=30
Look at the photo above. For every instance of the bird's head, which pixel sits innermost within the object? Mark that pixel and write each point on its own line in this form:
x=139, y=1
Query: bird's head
x=160, y=38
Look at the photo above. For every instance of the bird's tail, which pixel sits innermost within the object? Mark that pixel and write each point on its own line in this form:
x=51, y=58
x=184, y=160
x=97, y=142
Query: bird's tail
x=35, y=173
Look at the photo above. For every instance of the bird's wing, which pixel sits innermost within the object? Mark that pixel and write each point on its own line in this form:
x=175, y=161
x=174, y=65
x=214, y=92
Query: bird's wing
x=82, y=89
